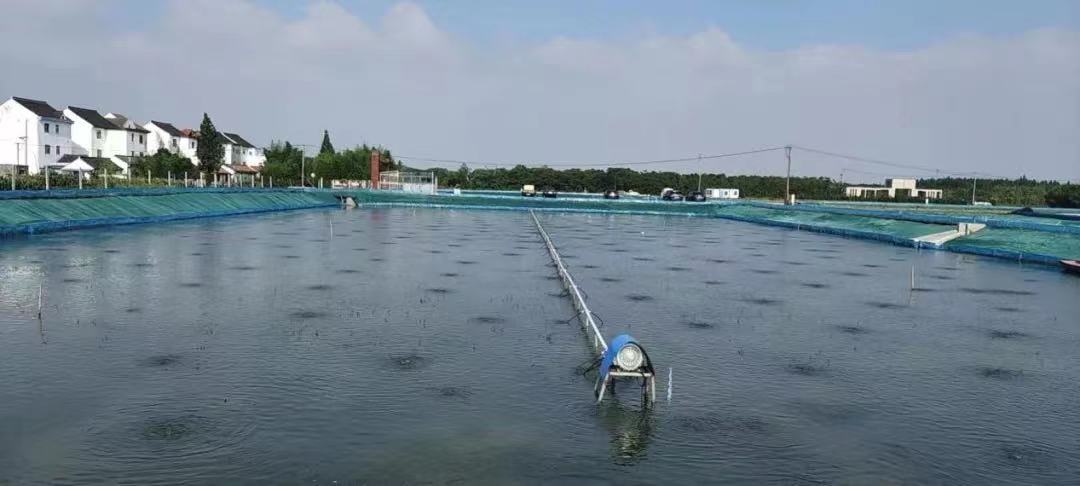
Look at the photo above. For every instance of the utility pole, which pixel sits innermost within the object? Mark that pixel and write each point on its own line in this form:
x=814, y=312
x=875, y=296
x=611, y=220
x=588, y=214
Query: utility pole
x=787, y=183
x=15, y=166
x=974, y=180
x=699, y=173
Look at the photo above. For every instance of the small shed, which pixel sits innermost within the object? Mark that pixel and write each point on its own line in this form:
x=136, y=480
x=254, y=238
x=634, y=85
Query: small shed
x=714, y=193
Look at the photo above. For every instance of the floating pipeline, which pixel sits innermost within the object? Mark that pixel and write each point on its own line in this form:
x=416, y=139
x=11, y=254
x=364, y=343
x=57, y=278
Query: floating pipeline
x=68, y=210
x=1009, y=243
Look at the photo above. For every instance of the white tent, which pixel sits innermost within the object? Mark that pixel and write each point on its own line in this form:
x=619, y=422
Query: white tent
x=78, y=165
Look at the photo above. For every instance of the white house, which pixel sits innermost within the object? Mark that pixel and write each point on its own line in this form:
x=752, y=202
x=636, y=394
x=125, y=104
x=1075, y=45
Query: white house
x=32, y=134
x=166, y=136
x=905, y=186
x=240, y=152
x=89, y=131
x=133, y=141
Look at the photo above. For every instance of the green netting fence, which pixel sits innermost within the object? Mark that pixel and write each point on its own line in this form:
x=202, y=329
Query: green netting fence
x=39, y=214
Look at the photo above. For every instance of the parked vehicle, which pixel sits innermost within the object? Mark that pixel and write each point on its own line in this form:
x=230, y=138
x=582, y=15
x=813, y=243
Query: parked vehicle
x=669, y=194
x=550, y=193
x=696, y=196
x=611, y=195
x=528, y=190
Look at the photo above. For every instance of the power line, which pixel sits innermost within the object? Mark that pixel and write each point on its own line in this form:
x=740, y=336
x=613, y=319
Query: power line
x=886, y=163
x=591, y=164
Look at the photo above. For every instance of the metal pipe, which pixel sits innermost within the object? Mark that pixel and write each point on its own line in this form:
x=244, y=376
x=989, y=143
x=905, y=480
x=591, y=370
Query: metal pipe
x=584, y=313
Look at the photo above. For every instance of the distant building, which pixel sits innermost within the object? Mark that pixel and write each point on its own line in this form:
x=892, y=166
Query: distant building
x=32, y=134
x=238, y=151
x=892, y=186
x=166, y=136
x=714, y=193
x=133, y=141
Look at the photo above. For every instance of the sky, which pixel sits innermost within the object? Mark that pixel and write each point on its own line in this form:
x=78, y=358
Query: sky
x=964, y=86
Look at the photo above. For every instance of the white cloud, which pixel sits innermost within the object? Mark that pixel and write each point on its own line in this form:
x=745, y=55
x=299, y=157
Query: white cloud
x=997, y=105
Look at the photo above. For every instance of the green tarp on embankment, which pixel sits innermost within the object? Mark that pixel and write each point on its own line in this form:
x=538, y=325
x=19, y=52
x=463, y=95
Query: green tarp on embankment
x=35, y=215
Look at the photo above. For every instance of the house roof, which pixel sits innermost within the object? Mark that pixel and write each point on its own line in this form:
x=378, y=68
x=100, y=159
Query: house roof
x=94, y=162
x=189, y=133
x=40, y=108
x=121, y=122
x=238, y=140
x=93, y=118
x=168, y=128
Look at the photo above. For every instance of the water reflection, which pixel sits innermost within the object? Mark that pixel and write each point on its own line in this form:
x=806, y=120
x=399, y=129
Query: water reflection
x=631, y=427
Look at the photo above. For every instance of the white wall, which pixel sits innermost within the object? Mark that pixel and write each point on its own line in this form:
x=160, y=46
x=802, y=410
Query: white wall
x=88, y=140
x=16, y=122
x=124, y=142
x=254, y=156
x=188, y=147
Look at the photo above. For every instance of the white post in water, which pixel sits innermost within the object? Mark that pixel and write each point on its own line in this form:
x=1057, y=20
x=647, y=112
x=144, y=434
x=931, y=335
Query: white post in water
x=669, y=384
x=913, y=277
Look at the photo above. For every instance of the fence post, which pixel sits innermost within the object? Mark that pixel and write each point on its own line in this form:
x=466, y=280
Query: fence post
x=170, y=178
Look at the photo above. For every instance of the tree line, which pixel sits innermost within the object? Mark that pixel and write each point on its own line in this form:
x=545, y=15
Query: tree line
x=1014, y=192
x=285, y=162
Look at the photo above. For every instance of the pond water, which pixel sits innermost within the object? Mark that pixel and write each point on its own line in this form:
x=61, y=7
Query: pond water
x=432, y=346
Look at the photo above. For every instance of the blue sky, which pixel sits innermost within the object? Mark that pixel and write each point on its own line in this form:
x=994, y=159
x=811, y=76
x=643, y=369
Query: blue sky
x=764, y=24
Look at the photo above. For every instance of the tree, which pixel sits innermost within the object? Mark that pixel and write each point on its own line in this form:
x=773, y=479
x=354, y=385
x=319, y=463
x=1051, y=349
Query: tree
x=211, y=150
x=327, y=147
x=1064, y=196
x=161, y=164
x=282, y=163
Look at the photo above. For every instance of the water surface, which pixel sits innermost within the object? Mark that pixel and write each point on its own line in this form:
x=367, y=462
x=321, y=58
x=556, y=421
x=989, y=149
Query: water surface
x=432, y=346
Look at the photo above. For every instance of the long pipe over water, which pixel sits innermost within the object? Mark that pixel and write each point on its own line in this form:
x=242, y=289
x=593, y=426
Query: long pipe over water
x=584, y=314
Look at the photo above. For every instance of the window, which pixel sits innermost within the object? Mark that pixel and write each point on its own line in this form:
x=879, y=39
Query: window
x=57, y=150
x=99, y=152
x=132, y=137
x=56, y=129
x=99, y=134
x=192, y=144
x=46, y=129
x=47, y=150
x=140, y=139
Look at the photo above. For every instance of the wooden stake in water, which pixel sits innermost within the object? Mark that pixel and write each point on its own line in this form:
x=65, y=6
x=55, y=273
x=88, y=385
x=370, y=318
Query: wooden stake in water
x=331, y=220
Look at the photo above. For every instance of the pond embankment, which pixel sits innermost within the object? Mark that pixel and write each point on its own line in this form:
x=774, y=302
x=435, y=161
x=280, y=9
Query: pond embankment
x=43, y=211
